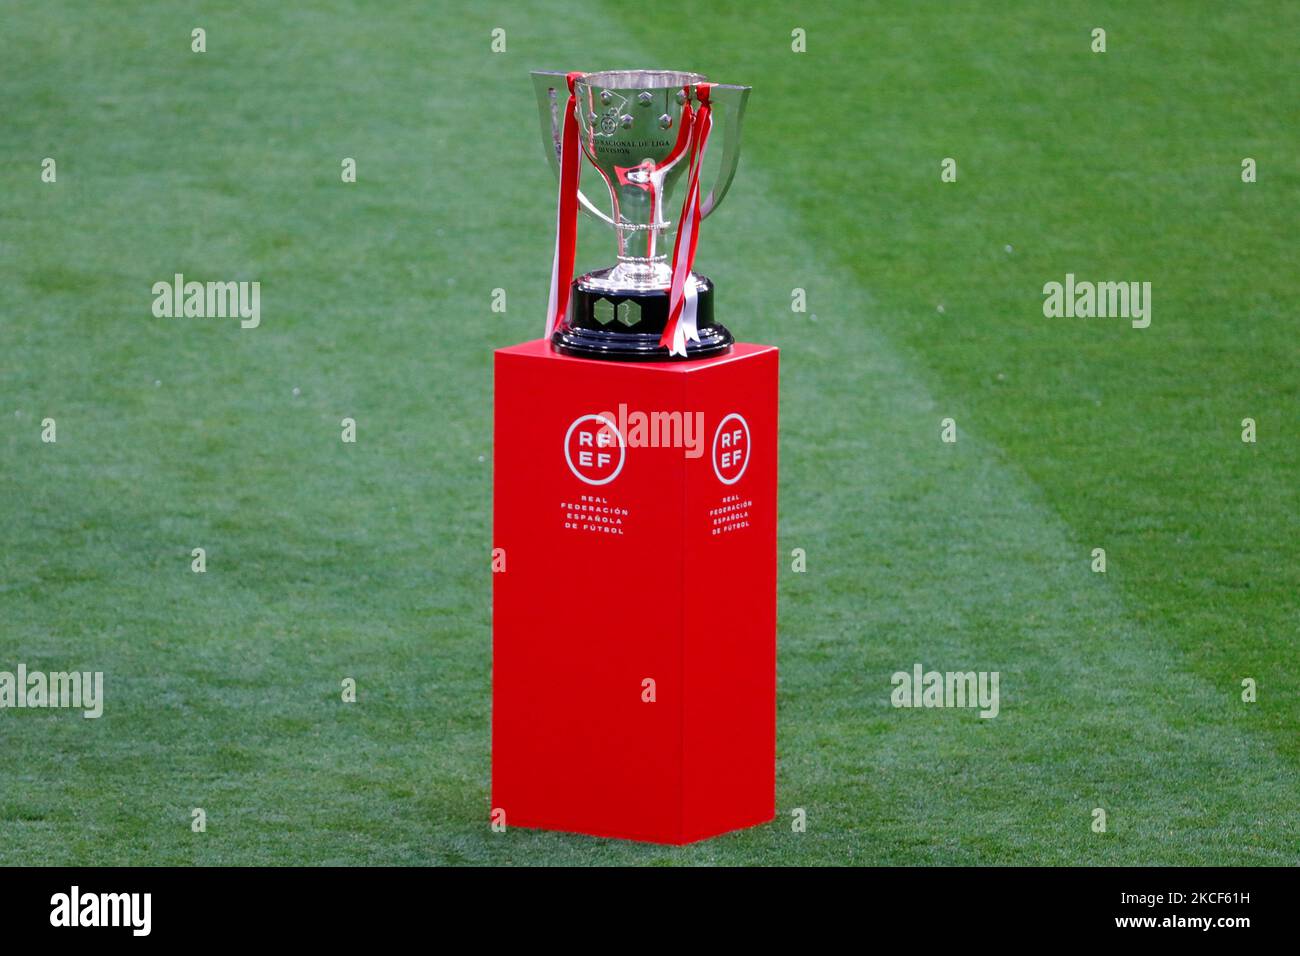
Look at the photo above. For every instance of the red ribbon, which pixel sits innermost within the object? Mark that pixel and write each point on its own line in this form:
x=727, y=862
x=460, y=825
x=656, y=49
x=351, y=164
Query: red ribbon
x=566, y=215
x=688, y=230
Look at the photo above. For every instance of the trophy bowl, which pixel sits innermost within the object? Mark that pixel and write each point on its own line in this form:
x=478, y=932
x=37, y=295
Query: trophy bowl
x=635, y=129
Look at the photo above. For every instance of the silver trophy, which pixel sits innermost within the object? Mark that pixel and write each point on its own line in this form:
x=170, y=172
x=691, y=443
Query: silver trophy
x=633, y=128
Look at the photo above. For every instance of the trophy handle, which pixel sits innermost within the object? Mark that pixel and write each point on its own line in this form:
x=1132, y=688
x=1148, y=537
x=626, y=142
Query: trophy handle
x=552, y=91
x=732, y=99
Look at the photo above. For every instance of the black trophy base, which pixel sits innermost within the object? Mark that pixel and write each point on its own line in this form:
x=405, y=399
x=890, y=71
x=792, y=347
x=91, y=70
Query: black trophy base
x=626, y=325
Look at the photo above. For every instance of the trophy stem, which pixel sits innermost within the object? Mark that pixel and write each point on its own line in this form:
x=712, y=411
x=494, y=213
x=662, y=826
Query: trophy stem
x=641, y=273
x=643, y=252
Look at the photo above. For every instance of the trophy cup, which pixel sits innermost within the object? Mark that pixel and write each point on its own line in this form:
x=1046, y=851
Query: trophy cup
x=644, y=132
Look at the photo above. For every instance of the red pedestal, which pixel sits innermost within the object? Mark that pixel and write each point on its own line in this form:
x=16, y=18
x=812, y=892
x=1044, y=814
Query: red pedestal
x=639, y=561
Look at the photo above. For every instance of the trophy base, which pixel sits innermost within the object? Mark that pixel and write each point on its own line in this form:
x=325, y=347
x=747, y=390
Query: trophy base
x=626, y=325
x=623, y=347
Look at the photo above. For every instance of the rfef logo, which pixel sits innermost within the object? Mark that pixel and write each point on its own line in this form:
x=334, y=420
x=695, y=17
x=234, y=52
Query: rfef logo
x=594, y=449
x=731, y=449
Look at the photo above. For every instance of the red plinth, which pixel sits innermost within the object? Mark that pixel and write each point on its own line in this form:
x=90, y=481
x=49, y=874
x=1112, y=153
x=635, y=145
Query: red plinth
x=635, y=550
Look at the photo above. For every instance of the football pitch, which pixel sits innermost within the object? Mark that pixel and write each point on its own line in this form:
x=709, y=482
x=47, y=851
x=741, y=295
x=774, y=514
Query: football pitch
x=1163, y=691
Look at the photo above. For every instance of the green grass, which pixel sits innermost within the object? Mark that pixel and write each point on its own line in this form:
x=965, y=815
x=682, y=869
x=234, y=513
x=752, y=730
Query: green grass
x=328, y=560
